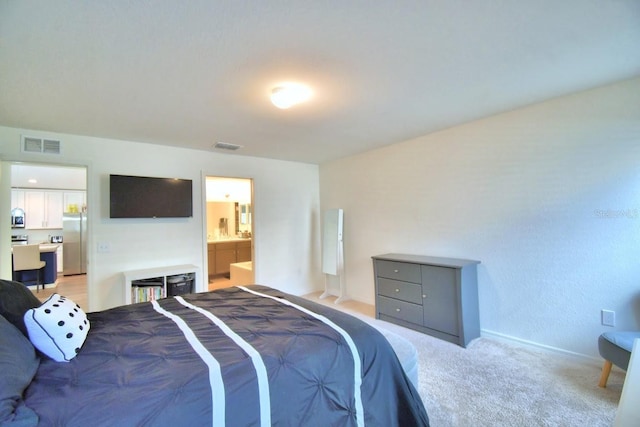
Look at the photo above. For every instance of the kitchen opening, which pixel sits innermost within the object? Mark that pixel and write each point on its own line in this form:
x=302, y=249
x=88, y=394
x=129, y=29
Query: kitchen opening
x=49, y=211
x=229, y=228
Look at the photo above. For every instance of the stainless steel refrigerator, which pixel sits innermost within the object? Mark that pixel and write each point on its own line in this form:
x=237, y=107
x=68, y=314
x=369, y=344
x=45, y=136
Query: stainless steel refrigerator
x=74, y=243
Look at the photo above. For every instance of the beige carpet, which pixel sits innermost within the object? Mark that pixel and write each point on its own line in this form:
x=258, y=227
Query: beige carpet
x=500, y=383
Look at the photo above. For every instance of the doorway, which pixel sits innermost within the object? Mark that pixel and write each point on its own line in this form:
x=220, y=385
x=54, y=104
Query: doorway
x=229, y=231
x=53, y=195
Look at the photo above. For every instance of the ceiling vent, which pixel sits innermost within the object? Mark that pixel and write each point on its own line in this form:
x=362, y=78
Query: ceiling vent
x=31, y=144
x=226, y=146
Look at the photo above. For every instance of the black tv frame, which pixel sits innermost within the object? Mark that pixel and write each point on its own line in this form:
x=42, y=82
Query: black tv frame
x=149, y=197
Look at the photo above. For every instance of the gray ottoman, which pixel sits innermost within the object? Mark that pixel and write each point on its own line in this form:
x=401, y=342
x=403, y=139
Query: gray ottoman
x=406, y=352
x=615, y=348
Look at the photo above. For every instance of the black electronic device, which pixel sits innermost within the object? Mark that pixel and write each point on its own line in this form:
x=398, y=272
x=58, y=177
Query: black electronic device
x=149, y=197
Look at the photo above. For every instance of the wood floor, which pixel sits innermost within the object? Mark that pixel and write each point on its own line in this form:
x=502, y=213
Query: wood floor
x=72, y=287
x=218, y=282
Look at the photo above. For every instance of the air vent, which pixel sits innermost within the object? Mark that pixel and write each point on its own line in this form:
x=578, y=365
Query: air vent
x=31, y=144
x=226, y=146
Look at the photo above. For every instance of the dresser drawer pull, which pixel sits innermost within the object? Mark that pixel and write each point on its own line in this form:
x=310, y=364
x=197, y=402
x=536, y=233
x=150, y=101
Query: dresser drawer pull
x=397, y=290
x=398, y=310
x=395, y=271
x=424, y=295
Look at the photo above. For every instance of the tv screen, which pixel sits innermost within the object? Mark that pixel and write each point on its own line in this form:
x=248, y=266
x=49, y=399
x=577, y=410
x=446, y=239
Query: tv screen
x=147, y=197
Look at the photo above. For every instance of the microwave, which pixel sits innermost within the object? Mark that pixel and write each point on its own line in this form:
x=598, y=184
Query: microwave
x=17, y=218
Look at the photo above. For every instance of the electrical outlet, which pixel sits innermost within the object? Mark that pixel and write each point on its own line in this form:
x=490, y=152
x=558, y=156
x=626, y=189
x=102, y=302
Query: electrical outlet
x=608, y=318
x=104, y=247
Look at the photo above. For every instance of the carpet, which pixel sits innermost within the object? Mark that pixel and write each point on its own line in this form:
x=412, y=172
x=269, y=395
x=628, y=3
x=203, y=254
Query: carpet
x=496, y=382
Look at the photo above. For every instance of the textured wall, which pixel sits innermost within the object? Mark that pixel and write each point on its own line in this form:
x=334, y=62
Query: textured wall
x=546, y=197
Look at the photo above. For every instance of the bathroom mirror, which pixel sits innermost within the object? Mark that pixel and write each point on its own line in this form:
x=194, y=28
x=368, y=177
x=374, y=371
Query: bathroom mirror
x=245, y=214
x=243, y=219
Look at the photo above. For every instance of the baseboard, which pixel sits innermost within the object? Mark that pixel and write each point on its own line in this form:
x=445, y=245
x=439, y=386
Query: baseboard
x=585, y=357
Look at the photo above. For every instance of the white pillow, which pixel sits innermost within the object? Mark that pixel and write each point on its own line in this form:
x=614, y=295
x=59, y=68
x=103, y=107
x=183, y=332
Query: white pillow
x=57, y=328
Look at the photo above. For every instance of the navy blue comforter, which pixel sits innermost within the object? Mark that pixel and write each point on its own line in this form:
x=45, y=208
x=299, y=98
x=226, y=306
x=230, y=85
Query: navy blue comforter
x=242, y=356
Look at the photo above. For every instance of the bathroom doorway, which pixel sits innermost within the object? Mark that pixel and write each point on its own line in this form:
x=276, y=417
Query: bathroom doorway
x=229, y=231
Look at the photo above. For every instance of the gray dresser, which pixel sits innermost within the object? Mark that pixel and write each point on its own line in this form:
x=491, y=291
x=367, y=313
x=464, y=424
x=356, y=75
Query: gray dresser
x=437, y=296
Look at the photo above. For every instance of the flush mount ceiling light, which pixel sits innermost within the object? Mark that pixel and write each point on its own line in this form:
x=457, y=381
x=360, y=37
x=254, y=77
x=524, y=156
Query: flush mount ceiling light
x=287, y=95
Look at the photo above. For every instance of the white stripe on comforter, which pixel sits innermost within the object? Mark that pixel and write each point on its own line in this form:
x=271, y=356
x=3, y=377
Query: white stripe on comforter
x=357, y=369
x=256, y=359
x=215, y=374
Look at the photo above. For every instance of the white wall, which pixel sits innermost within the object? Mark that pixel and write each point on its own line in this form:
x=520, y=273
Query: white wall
x=286, y=212
x=546, y=197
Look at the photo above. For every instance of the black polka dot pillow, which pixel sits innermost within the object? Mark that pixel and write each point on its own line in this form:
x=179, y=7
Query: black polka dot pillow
x=57, y=328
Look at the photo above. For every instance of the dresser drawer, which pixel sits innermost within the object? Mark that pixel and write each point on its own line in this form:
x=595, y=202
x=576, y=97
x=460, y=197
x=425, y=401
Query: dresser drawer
x=403, y=271
x=405, y=291
x=400, y=310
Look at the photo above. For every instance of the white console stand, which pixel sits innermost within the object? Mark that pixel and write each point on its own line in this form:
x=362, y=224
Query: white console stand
x=158, y=272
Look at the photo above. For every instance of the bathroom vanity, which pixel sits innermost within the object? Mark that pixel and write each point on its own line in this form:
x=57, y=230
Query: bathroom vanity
x=222, y=253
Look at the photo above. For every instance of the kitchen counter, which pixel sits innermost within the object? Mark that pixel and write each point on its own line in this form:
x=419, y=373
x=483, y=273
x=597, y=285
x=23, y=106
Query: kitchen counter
x=45, y=247
x=231, y=239
x=49, y=247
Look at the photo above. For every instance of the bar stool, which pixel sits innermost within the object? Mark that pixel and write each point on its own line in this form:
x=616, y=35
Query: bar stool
x=27, y=258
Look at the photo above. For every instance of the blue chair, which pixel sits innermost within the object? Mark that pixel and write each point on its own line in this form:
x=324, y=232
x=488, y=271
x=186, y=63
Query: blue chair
x=615, y=348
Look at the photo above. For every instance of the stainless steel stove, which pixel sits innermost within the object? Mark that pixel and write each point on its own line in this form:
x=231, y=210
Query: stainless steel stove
x=19, y=239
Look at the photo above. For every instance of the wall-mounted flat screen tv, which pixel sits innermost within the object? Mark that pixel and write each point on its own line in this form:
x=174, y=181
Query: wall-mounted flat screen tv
x=148, y=197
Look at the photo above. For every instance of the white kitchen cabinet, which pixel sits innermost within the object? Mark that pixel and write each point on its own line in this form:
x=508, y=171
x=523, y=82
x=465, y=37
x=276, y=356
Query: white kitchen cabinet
x=77, y=198
x=17, y=199
x=43, y=209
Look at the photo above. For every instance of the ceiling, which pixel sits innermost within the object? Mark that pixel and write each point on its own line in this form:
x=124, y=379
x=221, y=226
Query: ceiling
x=24, y=175
x=220, y=189
x=197, y=72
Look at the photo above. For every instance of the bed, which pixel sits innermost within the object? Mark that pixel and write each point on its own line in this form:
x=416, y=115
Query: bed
x=240, y=356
